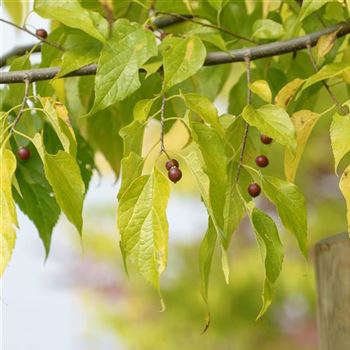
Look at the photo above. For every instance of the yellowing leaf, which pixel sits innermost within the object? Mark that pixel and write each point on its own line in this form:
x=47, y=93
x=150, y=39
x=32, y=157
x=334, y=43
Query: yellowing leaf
x=304, y=122
x=143, y=224
x=344, y=186
x=142, y=109
x=262, y=89
x=182, y=60
x=325, y=44
x=287, y=93
x=7, y=207
x=340, y=137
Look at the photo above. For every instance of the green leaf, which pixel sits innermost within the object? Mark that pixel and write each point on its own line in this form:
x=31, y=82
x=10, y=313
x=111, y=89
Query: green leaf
x=202, y=106
x=57, y=115
x=304, y=122
x=290, y=204
x=36, y=199
x=182, y=60
x=271, y=251
x=117, y=76
x=80, y=50
x=143, y=108
x=262, y=89
x=326, y=72
x=16, y=9
x=103, y=133
x=311, y=6
x=143, y=224
x=340, y=139
x=7, y=208
x=72, y=14
x=267, y=29
x=234, y=209
x=344, y=186
x=132, y=136
x=206, y=252
x=131, y=169
x=212, y=149
x=218, y=5
x=273, y=121
x=63, y=174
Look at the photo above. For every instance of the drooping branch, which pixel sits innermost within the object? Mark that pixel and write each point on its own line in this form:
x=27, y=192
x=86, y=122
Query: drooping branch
x=213, y=58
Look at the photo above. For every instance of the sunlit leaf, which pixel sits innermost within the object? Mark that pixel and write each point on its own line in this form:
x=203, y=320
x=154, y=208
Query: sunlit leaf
x=340, y=137
x=182, y=60
x=291, y=207
x=143, y=224
x=273, y=121
x=311, y=6
x=7, y=206
x=287, y=93
x=344, y=186
x=304, y=122
x=267, y=29
x=262, y=89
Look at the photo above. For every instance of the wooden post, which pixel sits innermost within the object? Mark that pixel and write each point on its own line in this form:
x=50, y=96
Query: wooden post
x=333, y=287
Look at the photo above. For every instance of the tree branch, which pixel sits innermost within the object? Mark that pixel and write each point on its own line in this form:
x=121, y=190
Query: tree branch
x=18, y=51
x=213, y=58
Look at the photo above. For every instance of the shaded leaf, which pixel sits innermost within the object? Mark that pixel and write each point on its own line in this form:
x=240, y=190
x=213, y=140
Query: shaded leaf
x=132, y=136
x=267, y=29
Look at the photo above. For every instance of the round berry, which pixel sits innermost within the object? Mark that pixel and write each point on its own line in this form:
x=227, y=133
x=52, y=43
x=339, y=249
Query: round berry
x=254, y=189
x=170, y=163
x=23, y=153
x=41, y=33
x=265, y=139
x=174, y=174
x=262, y=161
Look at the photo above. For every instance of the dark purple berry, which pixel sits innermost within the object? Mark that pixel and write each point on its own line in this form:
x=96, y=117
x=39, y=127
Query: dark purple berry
x=170, y=163
x=23, y=153
x=174, y=174
x=262, y=161
x=265, y=139
x=41, y=33
x=254, y=189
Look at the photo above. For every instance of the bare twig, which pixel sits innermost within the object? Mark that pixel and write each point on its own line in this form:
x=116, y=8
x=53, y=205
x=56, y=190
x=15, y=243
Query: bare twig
x=213, y=58
x=58, y=47
x=219, y=28
x=246, y=127
x=25, y=98
x=343, y=110
x=162, y=125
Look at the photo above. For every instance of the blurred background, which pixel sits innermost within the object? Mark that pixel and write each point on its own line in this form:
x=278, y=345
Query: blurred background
x=81, y=298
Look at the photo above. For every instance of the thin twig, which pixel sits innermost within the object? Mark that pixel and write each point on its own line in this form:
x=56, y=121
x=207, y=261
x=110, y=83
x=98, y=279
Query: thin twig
x=58, y=47
x=213, y=58
x=162, y=126
x=25, y=98
x=340, y=107
x=246, y=127
x=224, y=30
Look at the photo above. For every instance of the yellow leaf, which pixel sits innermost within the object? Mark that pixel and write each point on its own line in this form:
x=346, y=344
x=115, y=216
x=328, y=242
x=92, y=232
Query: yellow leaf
x=262, y=89
x=344, y=186
x=303, y=122
x=325, y=44
x=286, y=94
x=7, y=208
